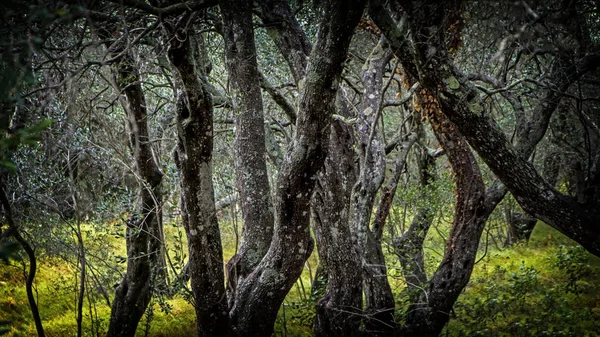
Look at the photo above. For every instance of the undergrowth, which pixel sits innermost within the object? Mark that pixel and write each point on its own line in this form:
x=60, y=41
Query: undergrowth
x=545, y=288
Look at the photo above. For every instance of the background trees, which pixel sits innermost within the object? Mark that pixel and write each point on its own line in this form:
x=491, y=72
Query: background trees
x=316, y=120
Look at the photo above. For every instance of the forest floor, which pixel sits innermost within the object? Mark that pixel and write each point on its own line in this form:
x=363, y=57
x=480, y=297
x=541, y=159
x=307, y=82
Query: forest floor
x=547, y=287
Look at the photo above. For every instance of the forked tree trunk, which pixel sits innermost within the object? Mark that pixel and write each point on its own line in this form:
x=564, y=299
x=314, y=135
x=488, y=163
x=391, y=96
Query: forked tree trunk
x=460, y=102
x=194, y=162
x=250, y=150
x=260, y=295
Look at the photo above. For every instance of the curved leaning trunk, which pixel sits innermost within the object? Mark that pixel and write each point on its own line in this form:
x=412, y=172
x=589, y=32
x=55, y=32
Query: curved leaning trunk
x=14, y=232
x=430, y=313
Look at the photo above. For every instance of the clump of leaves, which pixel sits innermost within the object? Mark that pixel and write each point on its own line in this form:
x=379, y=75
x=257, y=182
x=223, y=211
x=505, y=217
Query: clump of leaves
x=573, y=262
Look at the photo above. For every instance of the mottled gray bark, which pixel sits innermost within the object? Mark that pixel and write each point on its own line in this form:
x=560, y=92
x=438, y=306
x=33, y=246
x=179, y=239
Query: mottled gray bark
x=379, y=306
x=262, y=292
x=144, y=245
x=388, y=191
x=250, y=150
x=193, y=158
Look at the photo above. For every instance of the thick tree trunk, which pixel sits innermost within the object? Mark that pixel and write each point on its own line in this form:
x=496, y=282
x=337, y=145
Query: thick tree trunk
x=338, y=311
x=262, y=292
x=135, y=290
x=536, y=196
x=528, y=133
x=250, y=150
x=194, y=162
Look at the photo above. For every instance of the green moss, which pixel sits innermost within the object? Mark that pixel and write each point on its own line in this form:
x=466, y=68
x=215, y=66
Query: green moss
x=476, y=107
x=452, y=83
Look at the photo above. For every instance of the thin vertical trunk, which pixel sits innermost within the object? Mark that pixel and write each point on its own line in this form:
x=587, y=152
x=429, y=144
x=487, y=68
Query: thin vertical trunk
x=193, y=158
x=80, y=245
x=430, y=313
x=260, y=294
x=82, y=279
x=135, y=290
x=12, y=226
x=379, y=299
x=250, y=149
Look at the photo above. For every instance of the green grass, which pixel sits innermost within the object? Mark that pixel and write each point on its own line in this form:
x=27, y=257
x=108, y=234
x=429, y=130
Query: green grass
x=546, y=287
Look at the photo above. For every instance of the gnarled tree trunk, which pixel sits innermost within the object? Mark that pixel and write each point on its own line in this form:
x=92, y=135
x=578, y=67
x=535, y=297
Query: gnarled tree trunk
x=250, y=150
x=194, y=162
x=260, y=295
x=430, y=313
x=379, y=306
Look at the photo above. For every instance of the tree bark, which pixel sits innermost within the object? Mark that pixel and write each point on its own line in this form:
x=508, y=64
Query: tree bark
x=460, y=102
x=287, y=34
x=193, y=158
x=338, y=311
x=379, y=306
x=135, y=290
x=536, y=196
x=429, y=315
x=250, y=150
x=262, y=292
x=30, y=276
